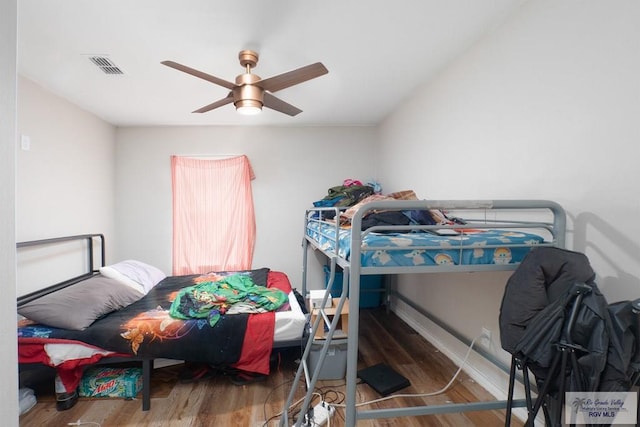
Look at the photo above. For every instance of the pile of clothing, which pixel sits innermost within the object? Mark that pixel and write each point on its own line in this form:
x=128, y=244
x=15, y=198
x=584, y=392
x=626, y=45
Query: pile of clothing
x=215, y=295
x=353, y=194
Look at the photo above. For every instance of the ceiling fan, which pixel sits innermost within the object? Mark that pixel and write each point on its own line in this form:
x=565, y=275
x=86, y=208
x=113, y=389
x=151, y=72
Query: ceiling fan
x=250, y=93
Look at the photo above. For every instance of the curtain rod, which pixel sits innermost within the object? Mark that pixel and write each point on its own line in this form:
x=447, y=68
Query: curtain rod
x=211, y=156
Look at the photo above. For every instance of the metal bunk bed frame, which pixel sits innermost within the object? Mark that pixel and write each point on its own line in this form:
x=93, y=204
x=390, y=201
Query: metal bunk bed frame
x=352, y=270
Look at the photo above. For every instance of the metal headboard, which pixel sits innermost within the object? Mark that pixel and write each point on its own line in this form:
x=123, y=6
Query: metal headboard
x=91, y=264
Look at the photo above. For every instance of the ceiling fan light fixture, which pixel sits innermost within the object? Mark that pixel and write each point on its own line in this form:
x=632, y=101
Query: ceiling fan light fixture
x=248, y=107
x=249, y=99
x=250, y=93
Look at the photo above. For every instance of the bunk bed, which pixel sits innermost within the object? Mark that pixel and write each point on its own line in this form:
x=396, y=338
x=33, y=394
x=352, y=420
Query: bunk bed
x=469, y=236
x=95, y=317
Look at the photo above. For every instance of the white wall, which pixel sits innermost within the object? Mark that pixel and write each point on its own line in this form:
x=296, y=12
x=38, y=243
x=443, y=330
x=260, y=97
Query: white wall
x=8, y=77
x=65, y=182
x=294, y=166
x=546, y=107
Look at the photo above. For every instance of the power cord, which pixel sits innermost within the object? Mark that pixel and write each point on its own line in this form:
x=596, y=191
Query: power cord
x=292, y=407
x=337, y=402
x=435, y=393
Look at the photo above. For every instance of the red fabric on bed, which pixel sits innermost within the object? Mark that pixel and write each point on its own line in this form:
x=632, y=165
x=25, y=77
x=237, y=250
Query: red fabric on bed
x=258, y=339
x=32, y=350
x=279, y=280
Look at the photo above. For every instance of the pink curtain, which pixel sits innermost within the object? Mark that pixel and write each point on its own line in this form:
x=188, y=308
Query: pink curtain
x=213, y=216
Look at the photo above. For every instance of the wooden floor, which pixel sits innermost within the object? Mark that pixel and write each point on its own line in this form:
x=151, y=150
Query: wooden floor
x=218, y=402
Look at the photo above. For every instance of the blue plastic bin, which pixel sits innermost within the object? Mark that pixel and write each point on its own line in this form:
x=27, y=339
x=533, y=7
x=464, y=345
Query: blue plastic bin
x=367, y=282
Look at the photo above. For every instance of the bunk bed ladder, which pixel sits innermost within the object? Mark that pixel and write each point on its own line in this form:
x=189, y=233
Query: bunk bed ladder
x=324, y=320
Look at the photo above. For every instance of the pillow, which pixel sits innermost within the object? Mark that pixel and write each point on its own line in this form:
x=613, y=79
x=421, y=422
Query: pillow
x=114, y=274
x=136, y=274
x=79, y=305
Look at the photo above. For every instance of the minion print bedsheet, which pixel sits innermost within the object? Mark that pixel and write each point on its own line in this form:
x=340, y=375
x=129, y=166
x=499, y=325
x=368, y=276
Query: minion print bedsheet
x=475, y=246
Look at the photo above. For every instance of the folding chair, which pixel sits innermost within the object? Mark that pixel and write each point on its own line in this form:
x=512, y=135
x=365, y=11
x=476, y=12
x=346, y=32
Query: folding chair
x=558, y=326
x=565, y=360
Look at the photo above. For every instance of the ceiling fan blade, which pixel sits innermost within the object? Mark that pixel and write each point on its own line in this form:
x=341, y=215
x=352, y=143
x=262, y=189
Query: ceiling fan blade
x=279, y=105
x=219, y=103
x=200, y=74
x=288, y=79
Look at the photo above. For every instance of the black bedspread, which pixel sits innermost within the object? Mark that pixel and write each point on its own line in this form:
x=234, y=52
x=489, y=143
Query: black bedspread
x=145, y=328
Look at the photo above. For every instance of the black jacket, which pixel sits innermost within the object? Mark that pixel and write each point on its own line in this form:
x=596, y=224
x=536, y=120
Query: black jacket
x=536, y=306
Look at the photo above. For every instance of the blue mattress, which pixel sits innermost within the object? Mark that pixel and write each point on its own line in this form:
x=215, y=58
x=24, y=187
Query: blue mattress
x=486, y=246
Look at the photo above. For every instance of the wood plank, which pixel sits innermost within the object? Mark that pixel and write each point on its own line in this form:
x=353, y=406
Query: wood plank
x=217, y=401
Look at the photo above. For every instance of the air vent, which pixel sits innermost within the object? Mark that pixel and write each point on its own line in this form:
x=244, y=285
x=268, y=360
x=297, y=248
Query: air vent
x=105, y=64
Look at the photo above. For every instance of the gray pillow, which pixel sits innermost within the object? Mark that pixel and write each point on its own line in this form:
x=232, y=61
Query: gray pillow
x=79, y=305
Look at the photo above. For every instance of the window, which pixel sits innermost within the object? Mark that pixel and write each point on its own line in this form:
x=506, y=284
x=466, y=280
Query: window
x=213, y=215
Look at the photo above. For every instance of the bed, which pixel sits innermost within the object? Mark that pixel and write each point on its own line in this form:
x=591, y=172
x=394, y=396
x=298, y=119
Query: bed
x=454, y=236
x=99, y=316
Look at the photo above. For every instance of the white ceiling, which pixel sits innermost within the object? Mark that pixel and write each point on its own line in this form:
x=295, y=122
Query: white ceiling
x=377, y=53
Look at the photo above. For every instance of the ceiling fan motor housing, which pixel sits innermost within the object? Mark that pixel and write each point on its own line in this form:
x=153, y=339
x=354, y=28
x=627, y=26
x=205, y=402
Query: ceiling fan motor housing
x=247, y=92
